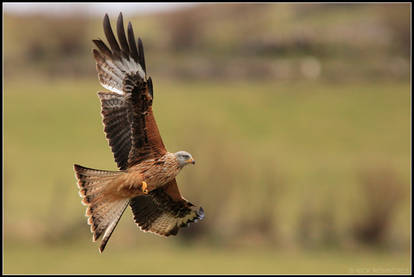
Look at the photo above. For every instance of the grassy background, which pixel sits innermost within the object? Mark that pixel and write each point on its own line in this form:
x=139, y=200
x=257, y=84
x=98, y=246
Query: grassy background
x=71, y=259
x=297, y=172
x=244, y=136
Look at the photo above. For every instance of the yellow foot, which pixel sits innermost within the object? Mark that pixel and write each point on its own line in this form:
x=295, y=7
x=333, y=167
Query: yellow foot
x=144, y=187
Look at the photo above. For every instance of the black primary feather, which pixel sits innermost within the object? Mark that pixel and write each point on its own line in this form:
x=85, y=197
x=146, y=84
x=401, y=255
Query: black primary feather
x=121, y=36
x=102, y=47
x=150, y=88
x=141, y=55
x=110, y=37
x=132, y=45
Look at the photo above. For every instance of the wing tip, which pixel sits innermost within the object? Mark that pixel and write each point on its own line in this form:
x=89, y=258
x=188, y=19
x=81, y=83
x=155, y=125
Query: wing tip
x=106, y=21
x=200, y=213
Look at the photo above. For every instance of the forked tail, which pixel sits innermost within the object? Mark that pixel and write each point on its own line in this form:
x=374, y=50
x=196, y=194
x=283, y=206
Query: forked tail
x=103, y=212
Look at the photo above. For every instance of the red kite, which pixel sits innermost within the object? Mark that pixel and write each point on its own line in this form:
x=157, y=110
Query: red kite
x=146, y=177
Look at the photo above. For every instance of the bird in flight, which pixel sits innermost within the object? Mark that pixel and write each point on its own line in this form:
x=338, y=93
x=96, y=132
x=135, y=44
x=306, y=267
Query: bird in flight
x=146, y=177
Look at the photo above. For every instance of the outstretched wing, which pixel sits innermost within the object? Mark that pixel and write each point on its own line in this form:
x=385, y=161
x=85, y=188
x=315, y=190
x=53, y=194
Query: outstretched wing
x=129, y=122
x=163, y=211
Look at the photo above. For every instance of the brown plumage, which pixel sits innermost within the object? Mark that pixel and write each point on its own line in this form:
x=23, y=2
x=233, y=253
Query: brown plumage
x=146, y=180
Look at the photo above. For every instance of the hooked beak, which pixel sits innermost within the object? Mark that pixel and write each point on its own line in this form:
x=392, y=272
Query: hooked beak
x=191, y=161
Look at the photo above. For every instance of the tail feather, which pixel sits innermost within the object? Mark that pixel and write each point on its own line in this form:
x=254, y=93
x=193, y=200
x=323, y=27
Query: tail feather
x=117, y=211
x=92, y=181
x=103, y=212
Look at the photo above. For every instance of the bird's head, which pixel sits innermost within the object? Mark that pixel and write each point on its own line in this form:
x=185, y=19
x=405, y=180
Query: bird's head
x=184, y=158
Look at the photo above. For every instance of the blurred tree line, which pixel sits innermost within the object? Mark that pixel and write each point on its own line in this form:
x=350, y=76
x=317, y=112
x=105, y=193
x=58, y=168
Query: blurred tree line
x=337, y=42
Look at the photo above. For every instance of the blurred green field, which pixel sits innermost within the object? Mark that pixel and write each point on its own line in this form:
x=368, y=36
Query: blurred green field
x=73, y=259
x=268, y=155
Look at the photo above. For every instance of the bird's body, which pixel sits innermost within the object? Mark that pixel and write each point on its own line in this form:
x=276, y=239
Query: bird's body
x=146, y=177
x=153, y=172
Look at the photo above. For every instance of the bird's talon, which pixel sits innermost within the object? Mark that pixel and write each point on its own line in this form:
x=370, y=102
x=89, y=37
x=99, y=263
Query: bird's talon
x=144, y=187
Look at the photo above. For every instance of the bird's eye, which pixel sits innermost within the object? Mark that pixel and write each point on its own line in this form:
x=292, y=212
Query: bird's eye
x=186, y=157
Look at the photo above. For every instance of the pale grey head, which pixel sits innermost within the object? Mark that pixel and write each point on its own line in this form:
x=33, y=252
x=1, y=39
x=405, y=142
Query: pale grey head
x=184, y=158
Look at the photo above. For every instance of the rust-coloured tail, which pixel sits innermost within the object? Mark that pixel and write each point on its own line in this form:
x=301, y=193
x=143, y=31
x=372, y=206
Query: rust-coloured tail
x=103, y=213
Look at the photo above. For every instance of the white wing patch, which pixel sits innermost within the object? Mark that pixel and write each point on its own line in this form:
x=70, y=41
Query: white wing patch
x=111, y=73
